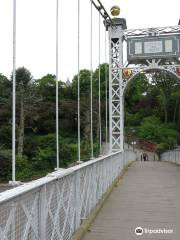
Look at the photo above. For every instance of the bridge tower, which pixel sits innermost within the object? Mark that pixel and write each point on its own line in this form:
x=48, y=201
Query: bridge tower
x=149, y=50
x=116, y=98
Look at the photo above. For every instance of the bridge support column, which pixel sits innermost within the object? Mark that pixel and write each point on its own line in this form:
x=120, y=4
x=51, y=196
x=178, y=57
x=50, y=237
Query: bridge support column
x=116, y=99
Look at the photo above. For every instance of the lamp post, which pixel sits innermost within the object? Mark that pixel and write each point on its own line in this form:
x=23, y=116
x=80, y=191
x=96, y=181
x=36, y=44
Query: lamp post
x=133, y=136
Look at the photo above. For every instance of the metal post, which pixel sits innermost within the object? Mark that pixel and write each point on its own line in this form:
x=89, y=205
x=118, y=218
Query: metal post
x=14, y=97
x=133, y=141
x=106, y=88
x=110, y=95
x=91, y=39
x=100, y=133
x=116, y=98
x=79, y=134
x=57, y=83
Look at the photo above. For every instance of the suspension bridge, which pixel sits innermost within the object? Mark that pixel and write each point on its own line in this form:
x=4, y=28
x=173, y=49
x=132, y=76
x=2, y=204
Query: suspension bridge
x=117, y=195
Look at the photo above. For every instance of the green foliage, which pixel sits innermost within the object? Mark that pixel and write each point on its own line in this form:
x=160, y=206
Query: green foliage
x=45, y=152
x=86, y=150
x=104, y=73
x=23, y=77
x=85, y=76
x=5, y=86
x=5, y=164
x=136, y=93
x=46, y=87
x=23, y=168
x=153, y=129
x=152, y=109
x=5, y=137
x=133, y=119
x=162, y=147
x=68, y=153
x=150, y=129
x=44, y=159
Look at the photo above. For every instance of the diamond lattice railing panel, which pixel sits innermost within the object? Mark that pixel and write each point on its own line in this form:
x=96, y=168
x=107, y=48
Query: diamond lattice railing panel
x=7, y=221
x=55, y=209
x=85, y=189
x=19, y=220
x=60, y=209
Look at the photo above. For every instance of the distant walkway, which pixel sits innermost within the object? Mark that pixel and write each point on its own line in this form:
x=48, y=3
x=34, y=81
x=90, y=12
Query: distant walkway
x=148, y=196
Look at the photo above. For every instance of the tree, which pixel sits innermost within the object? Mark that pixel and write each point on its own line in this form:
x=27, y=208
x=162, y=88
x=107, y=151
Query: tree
x=23, y=80
x=85, y=76
x=165, y=84
x=5, y=103
x=46, y=87
x=5, y=86
x=104, y=74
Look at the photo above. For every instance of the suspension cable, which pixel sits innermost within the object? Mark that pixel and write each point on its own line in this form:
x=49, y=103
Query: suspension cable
x=100, y=134
x=106, y=85
x=79, y=136
x=99, y=6
x=91, y=55
x=57, y=83
x=14, y=97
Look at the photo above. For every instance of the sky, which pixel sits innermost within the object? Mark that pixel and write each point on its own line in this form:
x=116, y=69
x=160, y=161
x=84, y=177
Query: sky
x=36, y=33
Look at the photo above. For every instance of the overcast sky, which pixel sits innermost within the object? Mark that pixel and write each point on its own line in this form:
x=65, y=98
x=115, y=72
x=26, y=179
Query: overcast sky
x=36, y=31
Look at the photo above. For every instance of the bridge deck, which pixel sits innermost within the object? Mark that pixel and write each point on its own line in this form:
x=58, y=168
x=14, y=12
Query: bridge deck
x=148, y=196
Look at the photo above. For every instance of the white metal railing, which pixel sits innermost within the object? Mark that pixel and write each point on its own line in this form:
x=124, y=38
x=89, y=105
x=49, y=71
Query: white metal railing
x=171, y=156
x=54, y=207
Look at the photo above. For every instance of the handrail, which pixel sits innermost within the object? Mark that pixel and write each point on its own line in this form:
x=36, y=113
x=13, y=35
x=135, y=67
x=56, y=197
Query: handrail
x=56, y=205
x=30, y=186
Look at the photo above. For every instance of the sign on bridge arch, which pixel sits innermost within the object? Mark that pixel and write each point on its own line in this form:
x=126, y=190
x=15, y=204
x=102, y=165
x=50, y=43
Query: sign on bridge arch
x=142, y=48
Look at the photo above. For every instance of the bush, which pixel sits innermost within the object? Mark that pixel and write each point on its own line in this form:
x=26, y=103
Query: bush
x=5, y=164
x=162, y=147
x=133, y=119
x=68, y=153
x=44, y=159
x=86, y=150
x=154, y=130
x=5, y=139
x=45, y=155
x=23, y=168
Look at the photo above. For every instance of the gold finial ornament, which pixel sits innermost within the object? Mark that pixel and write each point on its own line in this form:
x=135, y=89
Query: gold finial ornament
x=115, y=11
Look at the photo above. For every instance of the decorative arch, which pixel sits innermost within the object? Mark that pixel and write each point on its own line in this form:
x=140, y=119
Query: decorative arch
x=172, y=69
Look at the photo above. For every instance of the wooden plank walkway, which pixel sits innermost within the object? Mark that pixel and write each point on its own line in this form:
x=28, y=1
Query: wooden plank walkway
x=148, y=196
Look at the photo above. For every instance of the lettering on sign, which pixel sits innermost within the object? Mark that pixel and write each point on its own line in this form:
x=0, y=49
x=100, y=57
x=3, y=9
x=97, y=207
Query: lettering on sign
x=138, y=47
x=168, y=46
x=153, y=47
